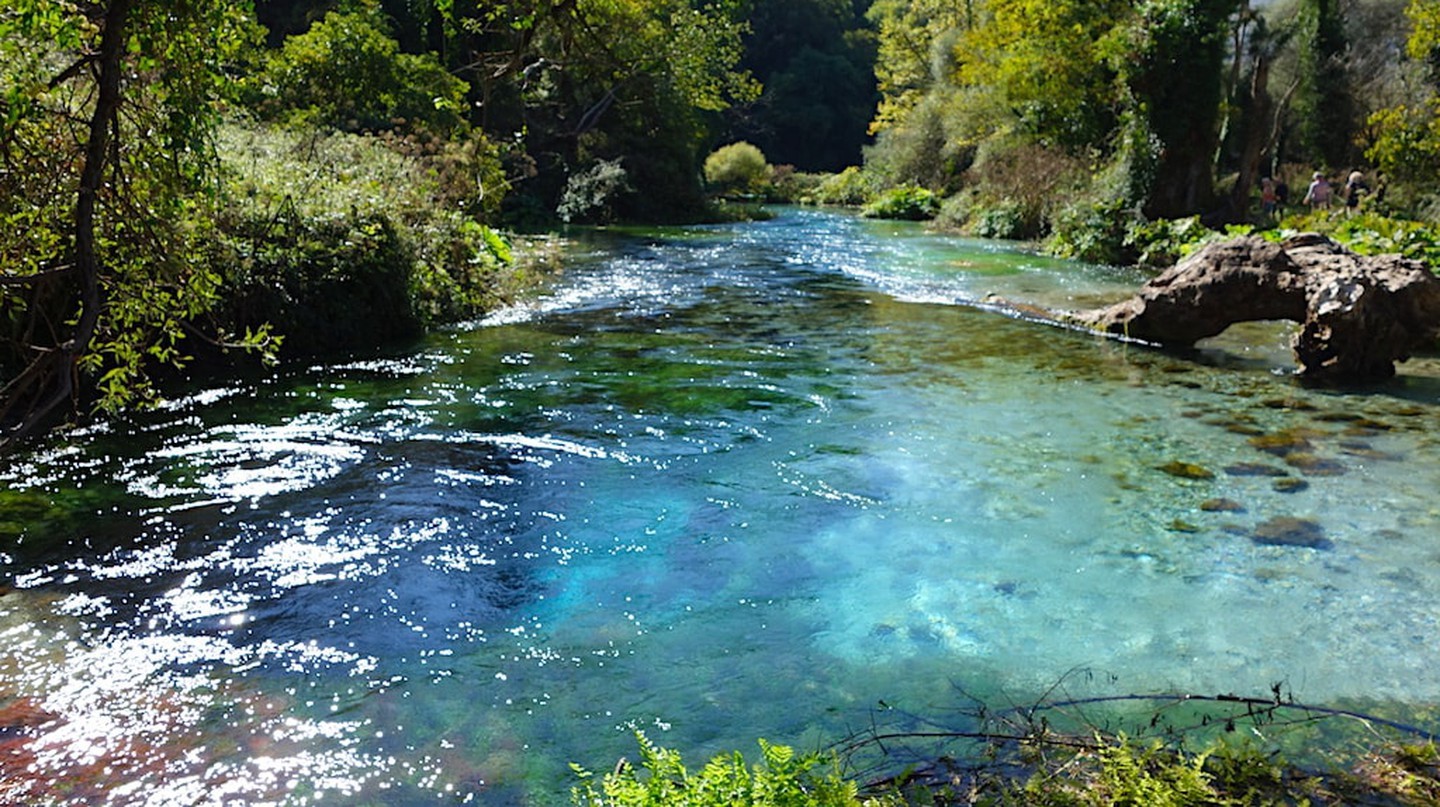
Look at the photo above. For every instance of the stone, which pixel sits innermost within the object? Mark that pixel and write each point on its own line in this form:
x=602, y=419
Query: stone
x=1222, y=506
x=1358, y=314
x=1186, y=470
x=1291, y=531
x=1290, y=485
x=1254, y=469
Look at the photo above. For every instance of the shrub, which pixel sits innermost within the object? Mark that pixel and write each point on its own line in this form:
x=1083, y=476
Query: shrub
x=591, y=195
x=1091, y=231
x=1162, y=242
x=908, y=202
x=781, y=779
x=789, y=185
x=737, y=168
x=852, y=188
x=403, y=255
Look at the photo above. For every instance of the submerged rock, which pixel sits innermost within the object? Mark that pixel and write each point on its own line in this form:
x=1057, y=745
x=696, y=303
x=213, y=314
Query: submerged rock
x=1291, y=531
x=1254, y=469
x=1186, y=470
x=1358, y=314
x=1222, y=506
x=1281, y=443
x=1311, y=465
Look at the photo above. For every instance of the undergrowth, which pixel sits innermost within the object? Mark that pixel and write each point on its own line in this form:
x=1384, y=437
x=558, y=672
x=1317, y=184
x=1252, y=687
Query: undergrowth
x=1164, y=750
x=339, y=240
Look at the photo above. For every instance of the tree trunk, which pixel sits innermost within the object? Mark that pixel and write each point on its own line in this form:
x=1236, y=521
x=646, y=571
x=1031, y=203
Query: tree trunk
x=49, y=382
x=1254, y=138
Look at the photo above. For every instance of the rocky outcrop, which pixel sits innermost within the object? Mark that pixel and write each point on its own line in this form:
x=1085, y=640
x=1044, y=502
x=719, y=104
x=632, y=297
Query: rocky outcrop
x=1358, y=314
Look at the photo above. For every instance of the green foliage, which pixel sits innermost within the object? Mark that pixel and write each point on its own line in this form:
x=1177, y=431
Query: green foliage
x=345, y=240
x=1043, y=62
x=1371, y=234
x=126, y=284
x=1091, y=231
x=1162, y=242
x=1424, y=42
x=909, y=202
x=592, y=195
x=815, y=59
x=1324, y=108
x=924, y=151
x=324, y=284
x=780, y=779
x=1123, y=772
x=1405, y=142
x=852, y=187
x=1016, y=186
x=914, y=57
x=347, y=73
x=788, y=185
x=737, y=168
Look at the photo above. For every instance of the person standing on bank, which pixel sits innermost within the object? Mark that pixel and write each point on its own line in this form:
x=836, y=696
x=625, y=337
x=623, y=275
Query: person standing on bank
x=1269, y=199
x=1355, y=187
x=1318, y=194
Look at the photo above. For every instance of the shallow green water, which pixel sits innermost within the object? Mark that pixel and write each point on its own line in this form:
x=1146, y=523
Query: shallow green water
x=716, y=484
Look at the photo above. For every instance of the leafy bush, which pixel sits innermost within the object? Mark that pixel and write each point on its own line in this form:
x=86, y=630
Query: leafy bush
x=348, y=73
x=908, y=202
x=737, y=168
x=324, y=284
x=851, y=188
x=1370, y=234
x=1126, y=773
x=924, y=150
x=591, y=195
x=781, y=779
x=1162, y=242
x=982, y=217
x=404, y=254
x=1090, y=231
x=789, y=185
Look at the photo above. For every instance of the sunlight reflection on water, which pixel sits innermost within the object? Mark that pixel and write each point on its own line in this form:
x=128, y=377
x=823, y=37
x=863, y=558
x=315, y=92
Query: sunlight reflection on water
x=718, y=484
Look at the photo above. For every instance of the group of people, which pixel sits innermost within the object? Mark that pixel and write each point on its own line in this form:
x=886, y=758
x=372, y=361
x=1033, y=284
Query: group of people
x=1318, y=196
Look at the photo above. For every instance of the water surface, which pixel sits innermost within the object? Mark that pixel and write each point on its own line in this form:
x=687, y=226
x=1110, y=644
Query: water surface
x=717, y=484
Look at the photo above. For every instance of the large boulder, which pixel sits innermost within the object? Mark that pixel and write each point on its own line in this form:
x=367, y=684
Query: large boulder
x=1358, y=314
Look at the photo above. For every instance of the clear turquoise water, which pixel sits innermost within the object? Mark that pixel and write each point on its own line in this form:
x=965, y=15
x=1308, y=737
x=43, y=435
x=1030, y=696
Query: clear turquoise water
x=715, y=484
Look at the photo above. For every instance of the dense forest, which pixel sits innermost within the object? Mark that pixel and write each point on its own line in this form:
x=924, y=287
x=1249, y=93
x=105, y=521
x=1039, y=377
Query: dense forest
x=186, y=181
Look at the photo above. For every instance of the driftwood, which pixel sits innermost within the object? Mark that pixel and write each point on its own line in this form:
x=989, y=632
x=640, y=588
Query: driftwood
x=1358, y=315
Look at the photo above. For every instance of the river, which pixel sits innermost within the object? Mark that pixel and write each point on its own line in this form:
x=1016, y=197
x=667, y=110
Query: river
x=717, y=483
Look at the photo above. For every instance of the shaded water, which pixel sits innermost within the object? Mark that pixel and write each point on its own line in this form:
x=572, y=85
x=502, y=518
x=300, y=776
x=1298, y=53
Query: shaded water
x=717, y=484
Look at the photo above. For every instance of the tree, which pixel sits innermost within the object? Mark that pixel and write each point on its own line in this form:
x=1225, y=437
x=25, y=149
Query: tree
x=102, y=276
x=816, y=60
x=914, y=38
x=1043, y=63
x=578, y=83
x=1324, y=109
x=1171, y=61
x=1406, y=142
x=346, y=72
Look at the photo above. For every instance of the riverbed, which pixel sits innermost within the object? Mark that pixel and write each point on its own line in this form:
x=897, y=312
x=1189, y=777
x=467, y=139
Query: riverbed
x=718, y=483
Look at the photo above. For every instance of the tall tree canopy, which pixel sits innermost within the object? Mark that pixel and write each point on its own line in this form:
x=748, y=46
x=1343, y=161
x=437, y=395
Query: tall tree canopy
x=815, y=60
